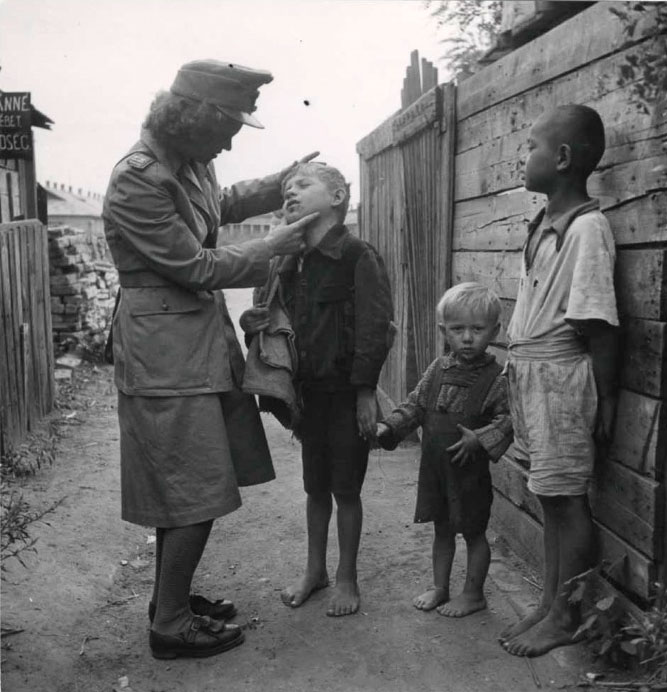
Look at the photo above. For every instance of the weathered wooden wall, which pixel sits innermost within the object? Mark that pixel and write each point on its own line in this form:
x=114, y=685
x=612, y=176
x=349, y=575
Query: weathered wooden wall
x=580, y=62
x=26, y=350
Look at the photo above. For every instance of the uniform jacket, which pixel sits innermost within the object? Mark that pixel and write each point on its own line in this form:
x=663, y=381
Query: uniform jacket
x=172, y=331
x=339, y=302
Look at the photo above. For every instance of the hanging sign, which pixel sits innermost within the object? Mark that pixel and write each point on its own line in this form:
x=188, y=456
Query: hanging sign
x=15, y=125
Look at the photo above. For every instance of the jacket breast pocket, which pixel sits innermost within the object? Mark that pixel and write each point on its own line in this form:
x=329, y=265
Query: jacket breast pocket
x=337, y=304
x=167, y=338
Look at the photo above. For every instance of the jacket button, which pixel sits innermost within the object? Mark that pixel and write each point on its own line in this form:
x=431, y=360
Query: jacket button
x=303, y=354
x=165, y=306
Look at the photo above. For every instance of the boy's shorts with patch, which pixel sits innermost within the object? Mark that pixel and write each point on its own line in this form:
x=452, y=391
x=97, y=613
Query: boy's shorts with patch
x=554, y=405
x=334, y=455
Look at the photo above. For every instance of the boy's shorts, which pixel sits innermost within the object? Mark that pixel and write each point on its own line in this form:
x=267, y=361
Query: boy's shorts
x=554, y=405
x=334, y=455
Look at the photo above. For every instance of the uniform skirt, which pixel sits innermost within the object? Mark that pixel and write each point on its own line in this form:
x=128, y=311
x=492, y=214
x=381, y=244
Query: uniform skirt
x=176, y=458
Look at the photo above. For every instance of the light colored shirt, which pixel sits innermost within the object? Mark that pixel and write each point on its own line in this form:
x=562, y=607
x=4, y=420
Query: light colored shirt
x=567, y=275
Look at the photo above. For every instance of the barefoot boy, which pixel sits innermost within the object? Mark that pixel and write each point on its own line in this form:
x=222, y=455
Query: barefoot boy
x=461, y=404
x=562, y=359
x=338, y=299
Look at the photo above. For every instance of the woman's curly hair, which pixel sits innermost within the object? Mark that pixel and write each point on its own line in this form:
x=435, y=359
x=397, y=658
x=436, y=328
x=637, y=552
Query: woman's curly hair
x=174, y=117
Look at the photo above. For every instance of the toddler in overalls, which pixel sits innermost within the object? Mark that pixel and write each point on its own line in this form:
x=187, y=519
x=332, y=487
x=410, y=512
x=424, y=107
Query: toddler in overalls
x=461, y=404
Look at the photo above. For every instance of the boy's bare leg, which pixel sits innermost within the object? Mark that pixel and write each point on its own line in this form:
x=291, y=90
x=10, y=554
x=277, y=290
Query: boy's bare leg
x=576, y=540
x=345, y=599
x=444, y=547
x=550, y=538
x=318, y=514
x=471, y=599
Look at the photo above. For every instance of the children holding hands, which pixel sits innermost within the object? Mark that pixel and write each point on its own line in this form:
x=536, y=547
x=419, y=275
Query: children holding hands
x=559, y=383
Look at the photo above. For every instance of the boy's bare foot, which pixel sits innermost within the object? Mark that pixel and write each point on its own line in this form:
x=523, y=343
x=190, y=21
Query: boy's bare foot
x=523, y=625
x=431, y=598
x=298, y=593
x=345, y=599
x=462, y=605
x=541, y=638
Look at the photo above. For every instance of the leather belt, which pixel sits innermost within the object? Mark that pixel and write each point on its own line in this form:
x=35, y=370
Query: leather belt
x=142, y=279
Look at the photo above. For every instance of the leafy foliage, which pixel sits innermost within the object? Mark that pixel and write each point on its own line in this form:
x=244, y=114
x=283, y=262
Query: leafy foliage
x=626, y=640
x=477, y=22
x=15, y=519
x=646, y=76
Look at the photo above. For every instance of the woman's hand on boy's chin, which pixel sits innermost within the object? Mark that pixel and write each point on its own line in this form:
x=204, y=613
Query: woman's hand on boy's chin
x=289, y=239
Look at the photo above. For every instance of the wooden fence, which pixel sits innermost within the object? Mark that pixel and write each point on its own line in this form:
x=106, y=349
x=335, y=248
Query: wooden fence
x=578, y=61
x=26, y=351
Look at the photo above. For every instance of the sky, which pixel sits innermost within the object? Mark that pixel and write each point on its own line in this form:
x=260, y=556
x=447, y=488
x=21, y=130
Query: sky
x=94, y=66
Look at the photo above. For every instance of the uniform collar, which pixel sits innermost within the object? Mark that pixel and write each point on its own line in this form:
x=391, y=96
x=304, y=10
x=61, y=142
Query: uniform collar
x=564, y=221
x=161, y=153
x=452, y=361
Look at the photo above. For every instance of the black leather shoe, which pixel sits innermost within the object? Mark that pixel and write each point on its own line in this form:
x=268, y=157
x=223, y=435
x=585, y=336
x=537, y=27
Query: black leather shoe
x=205, y=637
x=222, y=609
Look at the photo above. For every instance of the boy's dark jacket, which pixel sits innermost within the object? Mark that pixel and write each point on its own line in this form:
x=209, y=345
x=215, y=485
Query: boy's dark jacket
x=340, y=307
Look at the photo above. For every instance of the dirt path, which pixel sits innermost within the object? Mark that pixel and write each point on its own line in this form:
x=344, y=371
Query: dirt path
x=82, y=600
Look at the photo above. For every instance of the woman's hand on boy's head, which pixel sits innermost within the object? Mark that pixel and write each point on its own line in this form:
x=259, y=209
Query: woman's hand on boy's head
x=304, y=159
x=466, y=449
x=255, y=320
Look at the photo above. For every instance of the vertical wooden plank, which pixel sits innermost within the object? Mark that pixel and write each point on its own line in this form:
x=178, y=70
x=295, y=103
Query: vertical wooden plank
x=44, y=299
x=24, y=320
x=7, y=371
x=34, y=266
x=17, y=310
x=446, y=199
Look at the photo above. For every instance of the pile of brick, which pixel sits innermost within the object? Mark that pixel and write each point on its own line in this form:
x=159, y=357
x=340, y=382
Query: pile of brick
x=83, y=288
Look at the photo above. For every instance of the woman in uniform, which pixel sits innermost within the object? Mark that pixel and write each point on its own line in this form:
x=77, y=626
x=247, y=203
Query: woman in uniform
x=189, y=436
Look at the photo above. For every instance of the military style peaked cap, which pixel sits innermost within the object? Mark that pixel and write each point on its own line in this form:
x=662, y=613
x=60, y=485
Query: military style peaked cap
x=232, y=89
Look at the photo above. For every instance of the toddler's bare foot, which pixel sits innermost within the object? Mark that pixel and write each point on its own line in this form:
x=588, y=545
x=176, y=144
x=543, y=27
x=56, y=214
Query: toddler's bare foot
x=431, y=598
x=299, y=592
x=462, y=605
x=523, y=625
x=547, y=634
x=345, y=599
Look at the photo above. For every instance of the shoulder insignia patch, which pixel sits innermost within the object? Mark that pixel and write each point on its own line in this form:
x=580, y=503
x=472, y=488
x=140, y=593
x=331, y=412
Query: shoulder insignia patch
x=139, y=160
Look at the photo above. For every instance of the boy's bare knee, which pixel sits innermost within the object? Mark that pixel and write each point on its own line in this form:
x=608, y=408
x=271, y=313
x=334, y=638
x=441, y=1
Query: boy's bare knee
x=347, y=499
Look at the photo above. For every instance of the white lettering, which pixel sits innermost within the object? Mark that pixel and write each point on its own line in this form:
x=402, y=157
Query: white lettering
x=14, y=102
x=11, y=120
x=16, y=142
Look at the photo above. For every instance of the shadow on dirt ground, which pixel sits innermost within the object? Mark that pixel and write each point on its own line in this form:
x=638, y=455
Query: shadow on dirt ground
x=81, y=599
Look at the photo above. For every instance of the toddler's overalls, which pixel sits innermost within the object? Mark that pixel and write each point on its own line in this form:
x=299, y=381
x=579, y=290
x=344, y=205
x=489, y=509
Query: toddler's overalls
x=461, y=495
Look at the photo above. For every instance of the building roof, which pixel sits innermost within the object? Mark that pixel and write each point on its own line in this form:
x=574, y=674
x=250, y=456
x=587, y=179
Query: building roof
x=66, y=202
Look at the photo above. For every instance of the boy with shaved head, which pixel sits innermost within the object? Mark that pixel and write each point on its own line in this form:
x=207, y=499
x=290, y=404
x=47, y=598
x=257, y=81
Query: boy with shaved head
x=562, y=360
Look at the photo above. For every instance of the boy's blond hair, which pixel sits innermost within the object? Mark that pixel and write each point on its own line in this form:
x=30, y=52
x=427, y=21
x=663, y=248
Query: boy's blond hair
x=330, y=176
x=472, y=296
